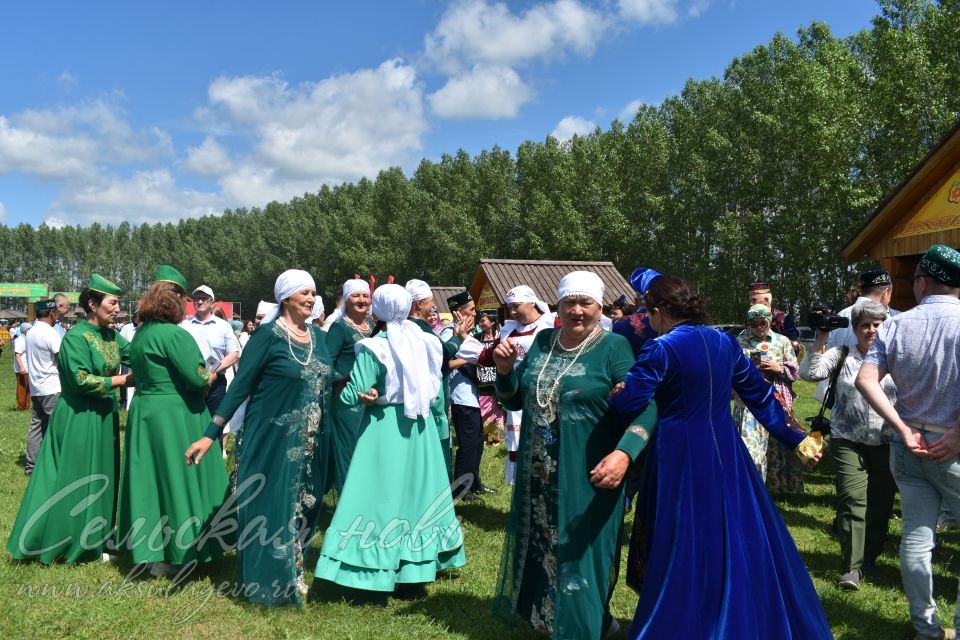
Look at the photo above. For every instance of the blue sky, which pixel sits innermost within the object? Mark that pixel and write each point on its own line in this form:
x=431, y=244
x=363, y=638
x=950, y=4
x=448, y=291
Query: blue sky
x=115, y=111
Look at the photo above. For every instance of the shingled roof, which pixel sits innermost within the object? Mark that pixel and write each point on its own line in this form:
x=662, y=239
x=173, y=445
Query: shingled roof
x=543, y=276
x=440, y=295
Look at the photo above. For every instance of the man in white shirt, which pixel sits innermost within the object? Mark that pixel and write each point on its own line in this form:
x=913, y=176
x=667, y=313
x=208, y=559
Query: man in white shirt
x=20, y=366
x=43, y=345
x=216, y=340
x=63, y=308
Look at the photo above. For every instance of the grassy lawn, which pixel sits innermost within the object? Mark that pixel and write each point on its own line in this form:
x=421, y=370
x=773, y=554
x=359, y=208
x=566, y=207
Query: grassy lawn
x=94, y=601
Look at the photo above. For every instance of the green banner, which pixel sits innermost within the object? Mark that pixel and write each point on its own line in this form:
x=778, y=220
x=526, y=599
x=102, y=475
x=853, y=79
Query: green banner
x=23, y=290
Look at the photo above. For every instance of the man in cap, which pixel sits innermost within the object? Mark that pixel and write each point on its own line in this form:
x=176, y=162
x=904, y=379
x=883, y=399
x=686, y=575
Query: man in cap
x=20, y=366
x=920, y=349
x=422, y=304
x=42, y=347
x=216, y=340
x=782, y=322
x=875, y=285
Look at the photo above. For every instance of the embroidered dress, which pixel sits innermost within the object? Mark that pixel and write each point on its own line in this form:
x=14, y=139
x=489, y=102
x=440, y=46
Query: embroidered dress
x=771, y=458
x=341, y=340
x=491, y=413
x=159, y=491
x=81, y=450
x=561, y=552
x=280, y=459
x=439, y=409
x=395, y=522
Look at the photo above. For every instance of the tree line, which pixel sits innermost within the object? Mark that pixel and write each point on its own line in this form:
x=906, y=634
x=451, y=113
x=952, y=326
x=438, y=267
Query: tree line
x=760, y=174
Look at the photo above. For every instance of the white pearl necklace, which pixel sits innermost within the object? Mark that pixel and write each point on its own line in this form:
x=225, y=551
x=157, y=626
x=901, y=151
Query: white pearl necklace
x=545, y=402
x=288, y=331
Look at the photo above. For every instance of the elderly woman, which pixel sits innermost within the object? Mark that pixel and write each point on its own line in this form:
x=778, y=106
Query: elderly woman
x=288, y=376
x=560, y=558
x=394, y=525
x=860, y=444
x=773, y=354
x=167, y=413
x=342, y=336
x=79, y=459
x=720, y=562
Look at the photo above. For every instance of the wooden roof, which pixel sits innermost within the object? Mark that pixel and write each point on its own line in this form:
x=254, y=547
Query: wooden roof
x=543, y=276
x=875, y=237
x=440, y=295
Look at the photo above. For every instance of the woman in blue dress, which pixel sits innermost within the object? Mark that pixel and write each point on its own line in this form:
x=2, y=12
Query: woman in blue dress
x=720, y=562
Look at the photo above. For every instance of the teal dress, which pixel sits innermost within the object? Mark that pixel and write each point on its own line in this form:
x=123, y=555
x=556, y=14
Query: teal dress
x=79, y=459
x=280, y=453
x=397, y=493
x=159, y=491
x=341, y=340
x=439, y=409
x=562, y=544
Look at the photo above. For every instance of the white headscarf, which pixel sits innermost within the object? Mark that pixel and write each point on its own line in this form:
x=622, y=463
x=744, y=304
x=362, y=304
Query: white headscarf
x=317, y=309
x=523, y=293
x=265, y=308
x=581, y=283
x=355, y=285
x=417, y=362
x=418, y=290
x=288, y=283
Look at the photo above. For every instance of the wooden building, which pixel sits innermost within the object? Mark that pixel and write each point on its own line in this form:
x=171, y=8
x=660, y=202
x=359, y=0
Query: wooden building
x=923, y=210
x=494, y=278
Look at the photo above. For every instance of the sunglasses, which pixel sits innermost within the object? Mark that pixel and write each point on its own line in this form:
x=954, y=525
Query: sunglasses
x=761, y=323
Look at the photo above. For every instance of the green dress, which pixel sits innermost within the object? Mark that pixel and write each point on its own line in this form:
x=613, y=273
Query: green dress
x=341, y=340
x=79, y=459
x=395, y=522
x=159, y=491
x=561, y=552
x=439, y=408
x=280, y=459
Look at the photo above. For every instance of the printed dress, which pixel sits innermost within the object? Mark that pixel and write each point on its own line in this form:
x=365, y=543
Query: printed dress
x=561, y=552
x=280, y=459
x=81, y=450
x=773, y=460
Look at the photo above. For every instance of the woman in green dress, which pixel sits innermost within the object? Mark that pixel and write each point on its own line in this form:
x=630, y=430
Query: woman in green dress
x=561, y=552
x=286, y=372
x=342, y=336
x=158, y=494
x=80, y=455
x=395, y=523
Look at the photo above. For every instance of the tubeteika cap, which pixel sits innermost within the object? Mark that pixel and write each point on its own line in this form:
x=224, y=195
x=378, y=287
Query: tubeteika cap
x=455, y=302
x=875, y=278
x=943, y=264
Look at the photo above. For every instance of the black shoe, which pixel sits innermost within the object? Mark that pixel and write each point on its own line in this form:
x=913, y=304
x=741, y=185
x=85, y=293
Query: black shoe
x=869, y=570
x=485, y=489
x=470, y=497
x=850, y=581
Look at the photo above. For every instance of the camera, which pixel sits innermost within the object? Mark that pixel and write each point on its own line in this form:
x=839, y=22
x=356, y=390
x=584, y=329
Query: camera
x=821, y=318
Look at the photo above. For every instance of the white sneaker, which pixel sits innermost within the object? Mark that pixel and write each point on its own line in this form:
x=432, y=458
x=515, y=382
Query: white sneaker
x=108, y=557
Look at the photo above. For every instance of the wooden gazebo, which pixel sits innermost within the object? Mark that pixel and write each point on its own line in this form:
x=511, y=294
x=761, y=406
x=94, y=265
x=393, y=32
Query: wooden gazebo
x=923, y=210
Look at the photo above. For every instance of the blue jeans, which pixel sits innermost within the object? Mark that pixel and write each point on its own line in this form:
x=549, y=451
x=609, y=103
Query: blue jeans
x=923, y=485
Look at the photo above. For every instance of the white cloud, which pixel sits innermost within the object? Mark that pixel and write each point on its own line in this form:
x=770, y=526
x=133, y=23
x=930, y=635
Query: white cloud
x=341, y=128
x=628, y=113
x=54, y=222
x=146, y=196
x=67, y=81
x=572, y=126
x=480, y=32
x=209, y=159
x=697, y=8
x=3, y=212
x=484, y=92
x=649, y=11
x=22, y=149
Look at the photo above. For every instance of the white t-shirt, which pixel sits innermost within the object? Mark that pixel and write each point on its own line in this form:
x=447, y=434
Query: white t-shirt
x=19, y=346
x=215, y=338
x=43, y=344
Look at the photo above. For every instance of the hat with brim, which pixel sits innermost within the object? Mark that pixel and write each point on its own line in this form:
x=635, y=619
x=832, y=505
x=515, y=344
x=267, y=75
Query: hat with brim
x=101, y=285
x=759, y=311
x=455, y=302
x=166, y=273
x=943, y=264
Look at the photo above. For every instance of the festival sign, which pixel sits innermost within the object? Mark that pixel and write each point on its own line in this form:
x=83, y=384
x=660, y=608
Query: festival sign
x=940, y=213
x=33, y=290
x=488, y=299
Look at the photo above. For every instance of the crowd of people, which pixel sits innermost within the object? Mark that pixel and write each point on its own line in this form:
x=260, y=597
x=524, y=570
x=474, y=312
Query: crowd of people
x=599, y=408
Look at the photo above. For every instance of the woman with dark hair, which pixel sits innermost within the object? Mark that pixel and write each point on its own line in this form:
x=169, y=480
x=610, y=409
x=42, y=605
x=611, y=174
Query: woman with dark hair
x=713, y=534
x=80, y=456
x=287, y=374
x=167, y=413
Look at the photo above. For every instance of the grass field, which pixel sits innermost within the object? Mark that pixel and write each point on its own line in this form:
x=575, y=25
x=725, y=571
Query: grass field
x=94, y=601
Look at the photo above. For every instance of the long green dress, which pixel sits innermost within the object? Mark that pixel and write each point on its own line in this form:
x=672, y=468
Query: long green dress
x=168, y=414
x=395, y=522
x=80, y=456
x=280, y=458
x=561, y=552
x=341, y=340
x=439, y=408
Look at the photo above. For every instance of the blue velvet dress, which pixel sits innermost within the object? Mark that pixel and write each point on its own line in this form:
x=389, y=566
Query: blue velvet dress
x=720, y=561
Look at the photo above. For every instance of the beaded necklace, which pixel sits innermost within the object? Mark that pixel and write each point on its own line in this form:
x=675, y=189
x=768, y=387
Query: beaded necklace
x=547, y=401
x=289, y=331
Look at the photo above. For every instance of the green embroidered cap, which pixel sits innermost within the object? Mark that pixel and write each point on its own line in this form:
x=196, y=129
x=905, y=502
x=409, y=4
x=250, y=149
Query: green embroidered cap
x=166, y=273
x=102, y=285
x=943, y=264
